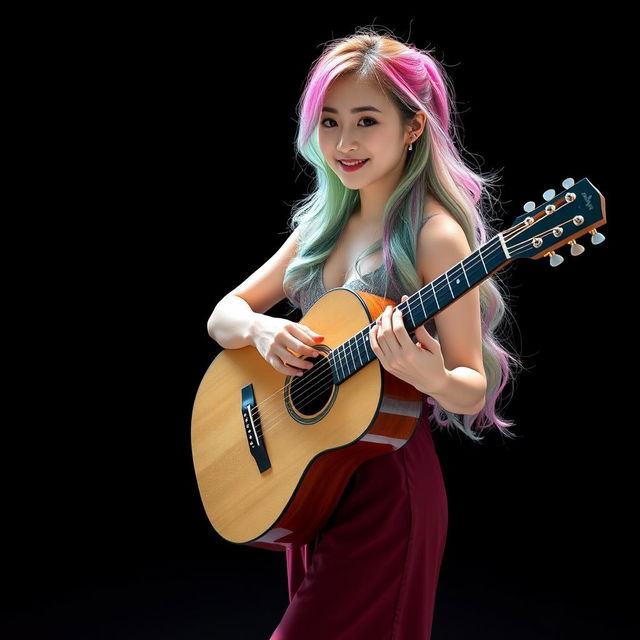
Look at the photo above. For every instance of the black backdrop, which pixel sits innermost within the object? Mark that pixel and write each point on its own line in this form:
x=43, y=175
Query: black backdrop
x=159, y=116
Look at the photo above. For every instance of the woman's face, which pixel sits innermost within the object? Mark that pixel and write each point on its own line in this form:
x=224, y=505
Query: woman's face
x=375, y=134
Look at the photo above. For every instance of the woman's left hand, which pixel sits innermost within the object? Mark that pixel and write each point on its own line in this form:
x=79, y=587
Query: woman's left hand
x=420, y=364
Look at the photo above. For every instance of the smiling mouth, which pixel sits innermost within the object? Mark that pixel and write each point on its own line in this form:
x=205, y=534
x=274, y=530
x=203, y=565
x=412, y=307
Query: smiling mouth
x=354, y=167
x=354, y=163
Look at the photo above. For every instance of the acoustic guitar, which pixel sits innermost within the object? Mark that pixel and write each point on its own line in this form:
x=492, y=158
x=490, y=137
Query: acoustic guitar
x=273, y=454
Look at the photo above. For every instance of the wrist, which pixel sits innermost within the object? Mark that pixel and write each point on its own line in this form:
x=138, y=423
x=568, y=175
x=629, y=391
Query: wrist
x=438, y=386
x=252, y=328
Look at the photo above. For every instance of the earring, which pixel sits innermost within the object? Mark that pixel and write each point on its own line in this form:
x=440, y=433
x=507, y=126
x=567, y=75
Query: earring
x=411, y=145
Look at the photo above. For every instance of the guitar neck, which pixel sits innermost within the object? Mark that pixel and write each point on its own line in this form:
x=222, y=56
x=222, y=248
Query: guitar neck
x=557, y=222
x=353, y=354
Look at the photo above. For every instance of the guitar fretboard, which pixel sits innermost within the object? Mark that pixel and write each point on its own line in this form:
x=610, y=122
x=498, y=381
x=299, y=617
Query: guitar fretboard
x=356, y=352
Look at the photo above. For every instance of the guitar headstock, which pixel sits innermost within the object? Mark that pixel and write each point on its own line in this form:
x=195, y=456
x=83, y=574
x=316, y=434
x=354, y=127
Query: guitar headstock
x=574, y=212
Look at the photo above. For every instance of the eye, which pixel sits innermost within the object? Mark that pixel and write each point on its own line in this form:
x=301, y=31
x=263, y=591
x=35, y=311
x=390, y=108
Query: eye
x=361, y=119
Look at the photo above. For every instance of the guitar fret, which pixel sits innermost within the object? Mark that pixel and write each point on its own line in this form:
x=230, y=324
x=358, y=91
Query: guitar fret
x=435, y=297
x=352, y=359
x=346, y=357
x=340, y=349
x=482, y=259
x=413, y=322
x=465, y=273
x=422, y=303
x=447, y=279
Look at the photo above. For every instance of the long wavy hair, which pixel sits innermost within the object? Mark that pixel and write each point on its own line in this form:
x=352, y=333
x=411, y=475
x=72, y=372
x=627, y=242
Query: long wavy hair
x=414, y=80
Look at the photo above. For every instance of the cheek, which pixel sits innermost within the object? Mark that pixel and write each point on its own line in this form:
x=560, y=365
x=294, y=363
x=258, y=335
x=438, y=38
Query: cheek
x=382, y=145
x=326, y=148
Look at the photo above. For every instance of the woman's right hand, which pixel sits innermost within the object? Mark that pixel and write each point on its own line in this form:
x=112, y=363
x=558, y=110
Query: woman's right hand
x=273, y=337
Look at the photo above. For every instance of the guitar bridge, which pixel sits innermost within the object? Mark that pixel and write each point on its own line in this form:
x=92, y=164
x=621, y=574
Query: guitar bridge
x=253, y=429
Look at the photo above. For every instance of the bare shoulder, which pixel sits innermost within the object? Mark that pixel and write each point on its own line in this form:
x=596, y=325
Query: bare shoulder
x=442, y=243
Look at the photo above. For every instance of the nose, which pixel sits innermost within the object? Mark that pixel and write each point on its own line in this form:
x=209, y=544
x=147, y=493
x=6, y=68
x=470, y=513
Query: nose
x=344, y=148
x=343, y=145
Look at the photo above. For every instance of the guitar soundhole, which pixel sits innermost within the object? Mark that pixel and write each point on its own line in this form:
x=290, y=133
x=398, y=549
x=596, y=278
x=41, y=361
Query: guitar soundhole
x=311, y=394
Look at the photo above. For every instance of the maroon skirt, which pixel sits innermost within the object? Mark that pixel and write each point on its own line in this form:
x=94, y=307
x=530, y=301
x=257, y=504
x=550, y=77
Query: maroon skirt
x=372, y=571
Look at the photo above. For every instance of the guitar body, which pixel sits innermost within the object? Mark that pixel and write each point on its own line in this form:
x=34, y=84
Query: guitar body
x=273, y=473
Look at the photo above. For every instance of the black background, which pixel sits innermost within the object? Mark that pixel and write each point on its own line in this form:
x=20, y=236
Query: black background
x=148, y=122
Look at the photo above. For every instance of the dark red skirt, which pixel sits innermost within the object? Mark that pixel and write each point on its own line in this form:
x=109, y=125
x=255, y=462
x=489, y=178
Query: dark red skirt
x=372, y=571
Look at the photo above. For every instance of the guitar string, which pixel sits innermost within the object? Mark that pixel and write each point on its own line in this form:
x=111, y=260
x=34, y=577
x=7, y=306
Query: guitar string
x=321, y=376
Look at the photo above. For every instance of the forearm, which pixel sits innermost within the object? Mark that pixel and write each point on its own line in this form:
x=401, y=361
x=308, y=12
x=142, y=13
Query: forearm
x=231, y=323
x=462, y=391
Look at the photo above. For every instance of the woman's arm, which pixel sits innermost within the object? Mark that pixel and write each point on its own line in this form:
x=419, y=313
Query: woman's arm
x=231, y=323
x=442, y=244
x=460, y=391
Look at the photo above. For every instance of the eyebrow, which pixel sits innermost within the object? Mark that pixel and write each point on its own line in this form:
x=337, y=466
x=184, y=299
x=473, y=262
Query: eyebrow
x=354, y=110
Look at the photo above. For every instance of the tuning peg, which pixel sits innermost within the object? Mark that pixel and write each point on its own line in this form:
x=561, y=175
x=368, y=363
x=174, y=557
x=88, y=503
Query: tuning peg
x=567, y=183
x=529, y=206
x=554, y=258
x=596, y=237
x=576, y=249
x=548, y=194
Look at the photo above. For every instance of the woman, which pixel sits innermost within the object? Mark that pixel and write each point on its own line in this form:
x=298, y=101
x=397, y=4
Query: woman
x=382, y=107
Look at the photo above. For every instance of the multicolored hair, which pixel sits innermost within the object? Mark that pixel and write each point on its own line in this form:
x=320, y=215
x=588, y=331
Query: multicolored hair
x=414, y=80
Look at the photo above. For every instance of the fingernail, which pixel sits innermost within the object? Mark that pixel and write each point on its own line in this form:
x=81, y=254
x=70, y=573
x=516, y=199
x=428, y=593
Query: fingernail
x=318, y=338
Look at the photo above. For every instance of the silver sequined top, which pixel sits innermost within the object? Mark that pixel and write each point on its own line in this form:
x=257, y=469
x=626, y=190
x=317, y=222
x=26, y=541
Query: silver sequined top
x=373, y=282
